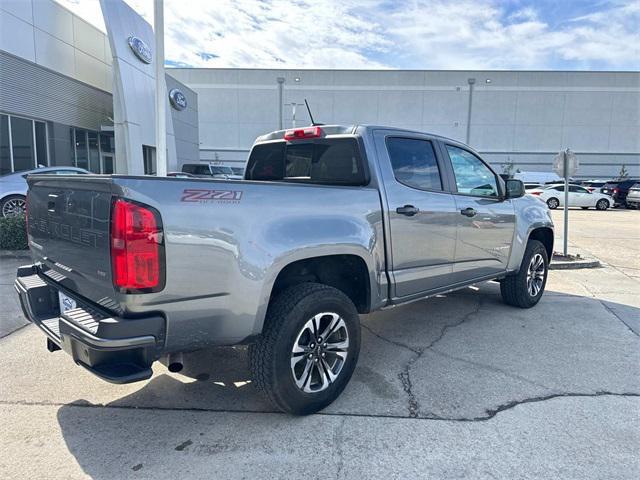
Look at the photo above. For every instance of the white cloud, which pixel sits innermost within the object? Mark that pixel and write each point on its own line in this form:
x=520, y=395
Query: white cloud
x=429, y=34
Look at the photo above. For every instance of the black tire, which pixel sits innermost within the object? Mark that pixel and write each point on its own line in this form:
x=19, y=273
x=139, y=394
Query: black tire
x=553, y=203
x=271, y=355
x=515, y=289
x=12, y=206
x=602, y=204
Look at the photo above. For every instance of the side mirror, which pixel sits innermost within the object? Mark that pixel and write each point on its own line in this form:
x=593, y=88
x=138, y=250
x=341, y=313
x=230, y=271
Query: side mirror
x=514, y=188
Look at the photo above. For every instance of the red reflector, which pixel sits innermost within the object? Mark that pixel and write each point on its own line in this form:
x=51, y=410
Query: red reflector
x=307, y=132
x=135, y=250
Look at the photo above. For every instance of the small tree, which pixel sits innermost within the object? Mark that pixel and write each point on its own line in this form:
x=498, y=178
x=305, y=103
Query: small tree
x=623, y=174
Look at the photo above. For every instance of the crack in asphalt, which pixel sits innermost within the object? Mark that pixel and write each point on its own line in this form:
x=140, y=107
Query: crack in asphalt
x=607, y=307
x=405, y=376
x=490, y=413
x=388, y=340
x=491, y=368
x=613, y=312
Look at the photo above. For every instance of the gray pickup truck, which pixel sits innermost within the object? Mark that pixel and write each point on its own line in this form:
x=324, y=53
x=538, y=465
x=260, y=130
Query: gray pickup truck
x=330, y=222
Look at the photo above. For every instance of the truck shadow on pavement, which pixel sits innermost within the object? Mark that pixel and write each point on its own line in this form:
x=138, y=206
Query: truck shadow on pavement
x=463, y=357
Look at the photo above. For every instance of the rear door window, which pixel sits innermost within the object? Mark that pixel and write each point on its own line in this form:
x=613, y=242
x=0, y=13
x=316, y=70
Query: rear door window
x=414, y=163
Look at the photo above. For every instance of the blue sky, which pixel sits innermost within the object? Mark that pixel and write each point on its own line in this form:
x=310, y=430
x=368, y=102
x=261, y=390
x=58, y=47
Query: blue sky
x=395, y=34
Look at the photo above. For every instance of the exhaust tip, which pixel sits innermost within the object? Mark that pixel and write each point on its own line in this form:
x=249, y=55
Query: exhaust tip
x=174, y=362
x=175, y=367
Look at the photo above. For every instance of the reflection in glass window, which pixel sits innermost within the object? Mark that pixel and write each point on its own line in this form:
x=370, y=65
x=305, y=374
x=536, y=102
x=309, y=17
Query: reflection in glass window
x=94, y=153
x=107, y=161
x=106, y=143
x=473, y=177
x=22, y=143
x=82, y=155
x=414, y=163
x=5, y=155
x=41, y=143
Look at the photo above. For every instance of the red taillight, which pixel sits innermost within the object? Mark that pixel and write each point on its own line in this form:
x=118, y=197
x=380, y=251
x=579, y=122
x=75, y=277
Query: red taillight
x=615, y=190
x=135, y=247
x=536, y=193
x=307, y=132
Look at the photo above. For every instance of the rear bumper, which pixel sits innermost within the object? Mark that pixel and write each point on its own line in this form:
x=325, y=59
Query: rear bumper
x=115, y=349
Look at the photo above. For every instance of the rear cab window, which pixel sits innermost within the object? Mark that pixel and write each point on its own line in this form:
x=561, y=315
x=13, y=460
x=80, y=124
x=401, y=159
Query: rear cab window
x=324, y=161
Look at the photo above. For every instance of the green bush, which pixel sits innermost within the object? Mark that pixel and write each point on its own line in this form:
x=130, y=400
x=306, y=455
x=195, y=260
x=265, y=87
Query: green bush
x=13, y=233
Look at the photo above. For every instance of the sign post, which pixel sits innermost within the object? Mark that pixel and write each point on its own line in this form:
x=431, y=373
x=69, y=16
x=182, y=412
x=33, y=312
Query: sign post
x=565, y=164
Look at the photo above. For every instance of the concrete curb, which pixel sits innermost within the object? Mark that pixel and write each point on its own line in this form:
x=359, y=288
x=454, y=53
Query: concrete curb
x=15, y=254
x=575, y=264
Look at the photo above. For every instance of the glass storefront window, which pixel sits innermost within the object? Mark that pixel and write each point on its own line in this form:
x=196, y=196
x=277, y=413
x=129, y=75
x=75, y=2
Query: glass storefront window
x=106, y=143
x=94, y=153
x=22, y=143
x=41, y=144
x=26, y=143
x=82, y=154
x=108, y=164
x=5, y=154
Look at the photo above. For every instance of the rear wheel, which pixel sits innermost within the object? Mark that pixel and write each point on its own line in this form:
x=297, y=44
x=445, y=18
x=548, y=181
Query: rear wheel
x=602, y=204
x=525, y=288
x=553, y=203
x=13, y=206
x=308, y=350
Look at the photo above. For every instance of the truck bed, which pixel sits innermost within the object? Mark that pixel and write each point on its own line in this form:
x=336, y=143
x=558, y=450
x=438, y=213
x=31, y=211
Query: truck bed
x=223, y=241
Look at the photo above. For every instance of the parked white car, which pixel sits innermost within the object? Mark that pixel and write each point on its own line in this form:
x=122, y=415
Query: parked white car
x=579, y=196
x=13, y=188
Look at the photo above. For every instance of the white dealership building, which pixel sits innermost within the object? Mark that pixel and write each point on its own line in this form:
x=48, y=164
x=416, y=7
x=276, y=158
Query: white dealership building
x=57, y=99
x=518, y=117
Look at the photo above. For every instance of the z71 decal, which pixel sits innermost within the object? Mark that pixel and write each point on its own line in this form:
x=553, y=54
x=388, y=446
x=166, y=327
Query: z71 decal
x=206, y=196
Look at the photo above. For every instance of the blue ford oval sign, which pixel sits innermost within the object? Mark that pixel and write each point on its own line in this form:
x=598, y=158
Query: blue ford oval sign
x=140, y=49
x=177, y=99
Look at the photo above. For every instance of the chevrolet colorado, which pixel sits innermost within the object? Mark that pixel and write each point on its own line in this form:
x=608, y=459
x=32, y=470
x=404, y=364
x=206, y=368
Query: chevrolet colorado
x=329, y=222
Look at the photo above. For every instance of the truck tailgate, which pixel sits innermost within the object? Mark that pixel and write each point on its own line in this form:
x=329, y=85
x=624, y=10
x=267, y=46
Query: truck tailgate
x=68, y=226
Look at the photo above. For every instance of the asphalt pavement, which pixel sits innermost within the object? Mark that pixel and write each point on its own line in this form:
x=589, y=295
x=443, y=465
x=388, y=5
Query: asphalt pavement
x=458, y=385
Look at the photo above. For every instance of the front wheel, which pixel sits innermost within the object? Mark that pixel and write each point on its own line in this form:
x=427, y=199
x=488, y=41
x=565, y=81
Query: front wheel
x=553, y=203
x=602, y=204
x=308, y=349
x=525, y=288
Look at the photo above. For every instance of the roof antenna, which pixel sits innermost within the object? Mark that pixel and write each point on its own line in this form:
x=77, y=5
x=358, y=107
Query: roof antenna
x=313, y=123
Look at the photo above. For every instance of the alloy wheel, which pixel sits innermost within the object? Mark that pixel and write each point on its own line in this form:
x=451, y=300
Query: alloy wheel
x=14, y=207
x=319, y=352
x=535, y=274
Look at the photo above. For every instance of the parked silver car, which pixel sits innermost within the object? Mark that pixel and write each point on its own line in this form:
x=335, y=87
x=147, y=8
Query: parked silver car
x=633, y=197
x=13, y=188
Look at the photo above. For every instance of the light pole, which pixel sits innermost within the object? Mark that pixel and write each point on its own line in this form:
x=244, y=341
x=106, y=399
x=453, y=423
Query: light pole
x=280, y=102
x=161, y=119
x=471, y=82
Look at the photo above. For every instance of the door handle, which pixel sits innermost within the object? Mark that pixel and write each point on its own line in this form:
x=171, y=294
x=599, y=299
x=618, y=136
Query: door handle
x=408, y=210
x=469, y=212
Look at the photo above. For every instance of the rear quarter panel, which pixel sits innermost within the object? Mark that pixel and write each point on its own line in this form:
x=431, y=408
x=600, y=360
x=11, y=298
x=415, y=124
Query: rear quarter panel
x=226, y=242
